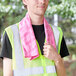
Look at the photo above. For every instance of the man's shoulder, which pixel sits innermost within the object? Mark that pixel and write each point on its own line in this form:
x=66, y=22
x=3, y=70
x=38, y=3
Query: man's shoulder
x=10, y=26
x=53, y=26
x=56, y=28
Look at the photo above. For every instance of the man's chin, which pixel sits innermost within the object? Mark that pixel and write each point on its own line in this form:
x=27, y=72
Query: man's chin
x=40, y=13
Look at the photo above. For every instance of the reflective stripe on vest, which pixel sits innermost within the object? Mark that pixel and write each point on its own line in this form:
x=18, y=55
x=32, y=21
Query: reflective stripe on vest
x=21, y=71
x=34, y=70
x=56, y=35
x=17, y=46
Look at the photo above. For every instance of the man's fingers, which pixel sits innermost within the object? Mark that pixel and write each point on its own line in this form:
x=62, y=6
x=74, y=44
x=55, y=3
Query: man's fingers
x=46, y=43
x=45, y=50
x=47, y=47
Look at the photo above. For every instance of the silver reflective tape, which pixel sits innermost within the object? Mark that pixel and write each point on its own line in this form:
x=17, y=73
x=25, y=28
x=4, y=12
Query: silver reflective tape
x=56, y=35
x=50, y=69
x=21, y=71
x=29, y=71
x=17, y=46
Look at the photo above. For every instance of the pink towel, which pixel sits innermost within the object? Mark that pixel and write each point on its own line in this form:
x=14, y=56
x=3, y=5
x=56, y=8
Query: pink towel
x=28, y=39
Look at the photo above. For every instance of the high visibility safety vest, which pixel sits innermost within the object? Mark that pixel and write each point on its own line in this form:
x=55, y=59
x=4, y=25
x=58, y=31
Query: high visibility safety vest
x=41, y=66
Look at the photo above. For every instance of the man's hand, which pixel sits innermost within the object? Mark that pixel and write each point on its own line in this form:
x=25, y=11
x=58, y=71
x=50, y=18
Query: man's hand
x=50, y=52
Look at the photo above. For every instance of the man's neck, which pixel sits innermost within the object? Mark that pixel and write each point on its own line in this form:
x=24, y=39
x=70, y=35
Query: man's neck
x=36, y=19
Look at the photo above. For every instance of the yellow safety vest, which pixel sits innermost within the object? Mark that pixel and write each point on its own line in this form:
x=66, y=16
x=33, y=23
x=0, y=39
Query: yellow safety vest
x=40, y=66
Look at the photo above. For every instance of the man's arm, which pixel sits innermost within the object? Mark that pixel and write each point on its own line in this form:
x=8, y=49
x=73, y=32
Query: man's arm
x=7, y=67
x=60, y=66
x=52, y=54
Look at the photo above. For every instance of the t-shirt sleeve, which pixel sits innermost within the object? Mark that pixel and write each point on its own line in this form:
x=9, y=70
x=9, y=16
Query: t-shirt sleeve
x=6, y=50
x=64, y=50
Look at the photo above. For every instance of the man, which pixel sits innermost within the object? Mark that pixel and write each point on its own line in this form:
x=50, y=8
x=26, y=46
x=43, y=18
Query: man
x=36, y=10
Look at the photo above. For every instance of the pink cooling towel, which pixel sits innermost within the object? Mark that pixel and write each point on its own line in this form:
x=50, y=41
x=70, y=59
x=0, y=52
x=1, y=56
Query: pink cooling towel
x=28, y=40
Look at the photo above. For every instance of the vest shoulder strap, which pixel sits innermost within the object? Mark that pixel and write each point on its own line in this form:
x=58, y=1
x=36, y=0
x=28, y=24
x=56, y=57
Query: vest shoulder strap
x=58, y=36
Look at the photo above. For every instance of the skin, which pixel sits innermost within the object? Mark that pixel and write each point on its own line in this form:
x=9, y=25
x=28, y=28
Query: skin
x=51, y=53
x=7, y=67
x=36, y=10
